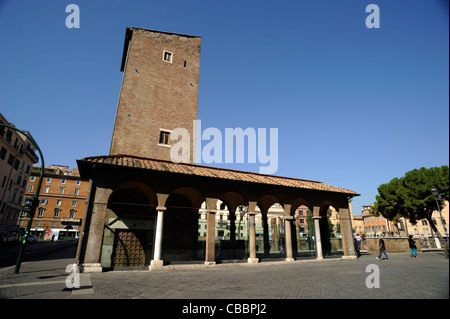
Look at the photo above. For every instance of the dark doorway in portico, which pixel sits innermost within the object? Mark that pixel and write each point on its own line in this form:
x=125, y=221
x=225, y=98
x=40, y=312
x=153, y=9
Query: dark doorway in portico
x=180, y=234
x=129, y=228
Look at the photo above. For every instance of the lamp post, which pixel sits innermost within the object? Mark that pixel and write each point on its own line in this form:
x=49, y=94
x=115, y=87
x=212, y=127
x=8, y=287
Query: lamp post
x=438, y=198
x=30, y=203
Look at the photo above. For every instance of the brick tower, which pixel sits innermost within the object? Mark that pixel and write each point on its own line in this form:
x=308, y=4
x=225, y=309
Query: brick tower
x=159, y=92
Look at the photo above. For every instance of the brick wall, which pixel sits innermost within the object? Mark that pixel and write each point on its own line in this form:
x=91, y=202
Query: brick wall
x=393, y=245
x=156, y=94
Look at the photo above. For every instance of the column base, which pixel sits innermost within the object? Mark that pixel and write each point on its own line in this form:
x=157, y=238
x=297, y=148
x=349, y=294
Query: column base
x=91, y=267
x=289, y=259
x=156, y=264
x=349, y=257
x=253, y=260
x=319, y=258
x=210, y=263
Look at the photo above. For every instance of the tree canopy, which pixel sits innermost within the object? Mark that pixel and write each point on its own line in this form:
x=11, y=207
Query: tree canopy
x=410, y=196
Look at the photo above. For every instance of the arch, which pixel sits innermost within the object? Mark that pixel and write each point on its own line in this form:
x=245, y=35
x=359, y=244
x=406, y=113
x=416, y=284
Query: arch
x=300, y=202
x=330, y=229
x=180, y=233
x=265, y=202
x=232, y=200
x=129, y=225
x=139, y=187
x=191, y=194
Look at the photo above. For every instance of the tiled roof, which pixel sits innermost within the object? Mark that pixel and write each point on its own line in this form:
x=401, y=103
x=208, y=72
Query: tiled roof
x=207, y=171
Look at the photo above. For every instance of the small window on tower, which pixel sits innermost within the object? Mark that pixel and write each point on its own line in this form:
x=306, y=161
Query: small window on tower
x=164, y=137
x=167, y=56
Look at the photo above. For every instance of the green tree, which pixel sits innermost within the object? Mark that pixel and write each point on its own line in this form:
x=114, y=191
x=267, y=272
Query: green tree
x=410, y=196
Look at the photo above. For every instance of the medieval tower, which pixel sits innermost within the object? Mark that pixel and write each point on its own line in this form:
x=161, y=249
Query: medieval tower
x=159, y=92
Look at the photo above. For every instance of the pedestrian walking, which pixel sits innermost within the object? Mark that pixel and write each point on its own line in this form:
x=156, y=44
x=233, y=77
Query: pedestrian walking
x=382, y=248
x=358, y=245
x=412, y=245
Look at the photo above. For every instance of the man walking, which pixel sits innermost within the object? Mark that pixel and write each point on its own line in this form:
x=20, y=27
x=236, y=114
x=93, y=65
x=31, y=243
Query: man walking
x=382, y=248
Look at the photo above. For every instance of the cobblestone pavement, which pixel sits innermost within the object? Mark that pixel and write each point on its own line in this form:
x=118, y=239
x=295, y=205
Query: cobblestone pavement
x=400, y=277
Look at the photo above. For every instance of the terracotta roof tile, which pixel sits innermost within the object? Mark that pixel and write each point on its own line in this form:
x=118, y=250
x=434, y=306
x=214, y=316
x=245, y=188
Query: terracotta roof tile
x=207, y=171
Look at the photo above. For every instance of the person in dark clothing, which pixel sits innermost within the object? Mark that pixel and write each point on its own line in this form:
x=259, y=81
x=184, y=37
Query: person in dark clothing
x=412, y=245
x=382, y=248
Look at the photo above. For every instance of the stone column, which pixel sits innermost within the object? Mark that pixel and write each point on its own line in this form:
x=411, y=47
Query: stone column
x=210, y=258
x=266, y=235
x=348, y=245
x=157, y=262
x=91, y=260
x=318, y=239
x=252, y=238
x=288, y=237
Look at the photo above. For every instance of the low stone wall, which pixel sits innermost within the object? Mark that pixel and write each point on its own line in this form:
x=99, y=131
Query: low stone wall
x=393, y=245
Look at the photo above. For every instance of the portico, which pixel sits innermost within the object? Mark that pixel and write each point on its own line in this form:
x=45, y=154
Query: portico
x=144, y=212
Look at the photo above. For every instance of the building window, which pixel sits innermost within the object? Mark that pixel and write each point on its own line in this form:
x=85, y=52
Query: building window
x=58, y=202
x=43, y=201
x=46, y=189
x=61, y=190
x=72, y=213
x=48, y=180
x=3, y=153
x=63, y=181
x=32, y=178
x=78, y=183
x=164, y=137
x=167, y=56
x=11, y=159
x=40, y=213
x=76, y=191
x=56, y=213
x=74, y=203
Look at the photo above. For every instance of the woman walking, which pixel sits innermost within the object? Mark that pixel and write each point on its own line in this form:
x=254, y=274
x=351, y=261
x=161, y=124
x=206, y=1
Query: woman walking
x=412, y=245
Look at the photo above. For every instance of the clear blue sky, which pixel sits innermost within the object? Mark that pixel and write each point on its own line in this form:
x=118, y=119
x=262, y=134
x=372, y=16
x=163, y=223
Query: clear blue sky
x=355, y=107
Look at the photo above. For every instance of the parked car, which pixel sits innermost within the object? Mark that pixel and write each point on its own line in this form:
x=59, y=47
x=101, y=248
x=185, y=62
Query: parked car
x=8, y=238
x=31, y=239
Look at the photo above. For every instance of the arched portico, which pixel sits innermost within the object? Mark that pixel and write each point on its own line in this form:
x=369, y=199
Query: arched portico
x=169, y=196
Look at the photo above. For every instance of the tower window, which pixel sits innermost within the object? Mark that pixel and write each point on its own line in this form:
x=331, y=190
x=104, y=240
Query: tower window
x=164, y=137
x=167, y=56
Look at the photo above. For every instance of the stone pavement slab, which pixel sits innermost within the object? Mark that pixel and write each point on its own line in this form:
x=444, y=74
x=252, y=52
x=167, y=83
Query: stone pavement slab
x=400, y=277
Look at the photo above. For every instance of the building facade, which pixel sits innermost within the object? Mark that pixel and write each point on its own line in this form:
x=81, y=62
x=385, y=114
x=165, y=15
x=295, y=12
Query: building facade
x=62, y=202
x=423, y=229
x=146, y=211
x=17, y=156
x=377, y=225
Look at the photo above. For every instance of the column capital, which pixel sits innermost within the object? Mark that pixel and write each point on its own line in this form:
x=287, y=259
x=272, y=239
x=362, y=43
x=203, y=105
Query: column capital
x=316, y=217
x=161, y=208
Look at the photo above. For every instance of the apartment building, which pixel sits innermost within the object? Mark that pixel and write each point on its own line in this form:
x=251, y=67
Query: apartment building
x=62, y=201
x=17, y=156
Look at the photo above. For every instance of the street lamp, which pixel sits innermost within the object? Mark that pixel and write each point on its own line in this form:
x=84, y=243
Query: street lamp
x=438, y=198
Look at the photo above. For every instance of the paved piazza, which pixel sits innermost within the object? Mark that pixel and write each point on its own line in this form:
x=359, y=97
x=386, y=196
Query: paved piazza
x=400, y=277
